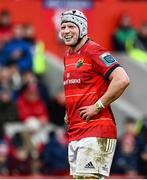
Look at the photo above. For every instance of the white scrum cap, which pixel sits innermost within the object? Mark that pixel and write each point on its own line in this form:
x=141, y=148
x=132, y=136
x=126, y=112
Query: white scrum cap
x=78, y=18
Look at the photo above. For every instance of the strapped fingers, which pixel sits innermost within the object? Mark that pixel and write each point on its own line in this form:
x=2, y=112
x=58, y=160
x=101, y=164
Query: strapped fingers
x=88, y=118
x=84, y=116
x=82, y=113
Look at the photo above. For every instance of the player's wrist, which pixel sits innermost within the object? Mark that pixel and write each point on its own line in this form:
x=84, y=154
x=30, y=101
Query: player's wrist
x=99, y=105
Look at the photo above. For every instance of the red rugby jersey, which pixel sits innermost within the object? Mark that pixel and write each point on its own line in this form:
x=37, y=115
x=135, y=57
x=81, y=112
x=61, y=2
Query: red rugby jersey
x=85, y=81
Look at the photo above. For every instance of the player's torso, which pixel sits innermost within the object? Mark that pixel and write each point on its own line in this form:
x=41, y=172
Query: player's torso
x=84, y=86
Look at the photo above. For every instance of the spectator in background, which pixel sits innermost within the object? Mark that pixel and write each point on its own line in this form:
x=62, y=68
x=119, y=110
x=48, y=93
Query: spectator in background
x=19, y=160
x=29, y=35
x=9, y=78
x=55, y=105
x=3, y=54
x=8, y=110
x=127, y=151
x=30, y=77
x=30, y=104
x=143, y=161
x=19, y=163
x=16, y=80
x=142, y=133
x=4, y=151
x=124, y=31
x=141, y=39
x=5, y=25
x=37, y=49
x=137, y=48
x=54, y=156
x=5, y=77
x=58, y=109
x=25, y=140
x=125, y=159
x=143, y=129
x=18, y=50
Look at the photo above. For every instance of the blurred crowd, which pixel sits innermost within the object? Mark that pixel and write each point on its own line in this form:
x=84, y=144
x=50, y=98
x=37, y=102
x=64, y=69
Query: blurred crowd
x=131, y=152
x=130, y=39
x=32, y=132
x=32, y=129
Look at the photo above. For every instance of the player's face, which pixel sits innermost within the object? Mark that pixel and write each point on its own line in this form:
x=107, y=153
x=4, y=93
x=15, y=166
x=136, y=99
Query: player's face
x=69, y=33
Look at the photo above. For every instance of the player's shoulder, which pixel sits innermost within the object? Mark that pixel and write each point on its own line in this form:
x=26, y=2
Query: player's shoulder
x=93, y=47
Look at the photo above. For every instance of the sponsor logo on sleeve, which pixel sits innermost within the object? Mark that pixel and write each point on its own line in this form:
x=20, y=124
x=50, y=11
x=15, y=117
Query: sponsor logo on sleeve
x=107, y=58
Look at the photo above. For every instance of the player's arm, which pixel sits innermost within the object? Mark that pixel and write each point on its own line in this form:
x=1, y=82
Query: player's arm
x=119, y=82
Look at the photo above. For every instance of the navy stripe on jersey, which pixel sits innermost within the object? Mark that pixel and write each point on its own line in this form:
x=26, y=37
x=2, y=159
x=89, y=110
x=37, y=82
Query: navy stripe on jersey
x=110, y=71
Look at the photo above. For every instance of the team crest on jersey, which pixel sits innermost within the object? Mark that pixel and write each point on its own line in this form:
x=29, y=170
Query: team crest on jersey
x=107, y=58
x=79, y=63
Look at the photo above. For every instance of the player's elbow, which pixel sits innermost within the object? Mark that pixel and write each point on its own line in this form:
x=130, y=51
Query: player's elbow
x=125, y=81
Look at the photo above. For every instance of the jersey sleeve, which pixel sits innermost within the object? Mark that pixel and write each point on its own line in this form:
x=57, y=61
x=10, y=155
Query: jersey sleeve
x=102, y=61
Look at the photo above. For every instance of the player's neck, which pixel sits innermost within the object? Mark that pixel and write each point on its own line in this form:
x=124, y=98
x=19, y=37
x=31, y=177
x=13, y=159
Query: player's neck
x=79, y=45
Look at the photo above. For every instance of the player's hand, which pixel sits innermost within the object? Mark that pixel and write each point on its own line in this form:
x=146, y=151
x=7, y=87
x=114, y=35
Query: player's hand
x=87, y=112
x=66, y=119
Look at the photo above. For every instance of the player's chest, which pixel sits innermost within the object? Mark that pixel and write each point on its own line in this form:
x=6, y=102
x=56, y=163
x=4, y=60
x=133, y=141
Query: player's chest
x=78, y=68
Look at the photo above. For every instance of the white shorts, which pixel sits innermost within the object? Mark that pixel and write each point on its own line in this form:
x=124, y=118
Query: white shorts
x=91, y=156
